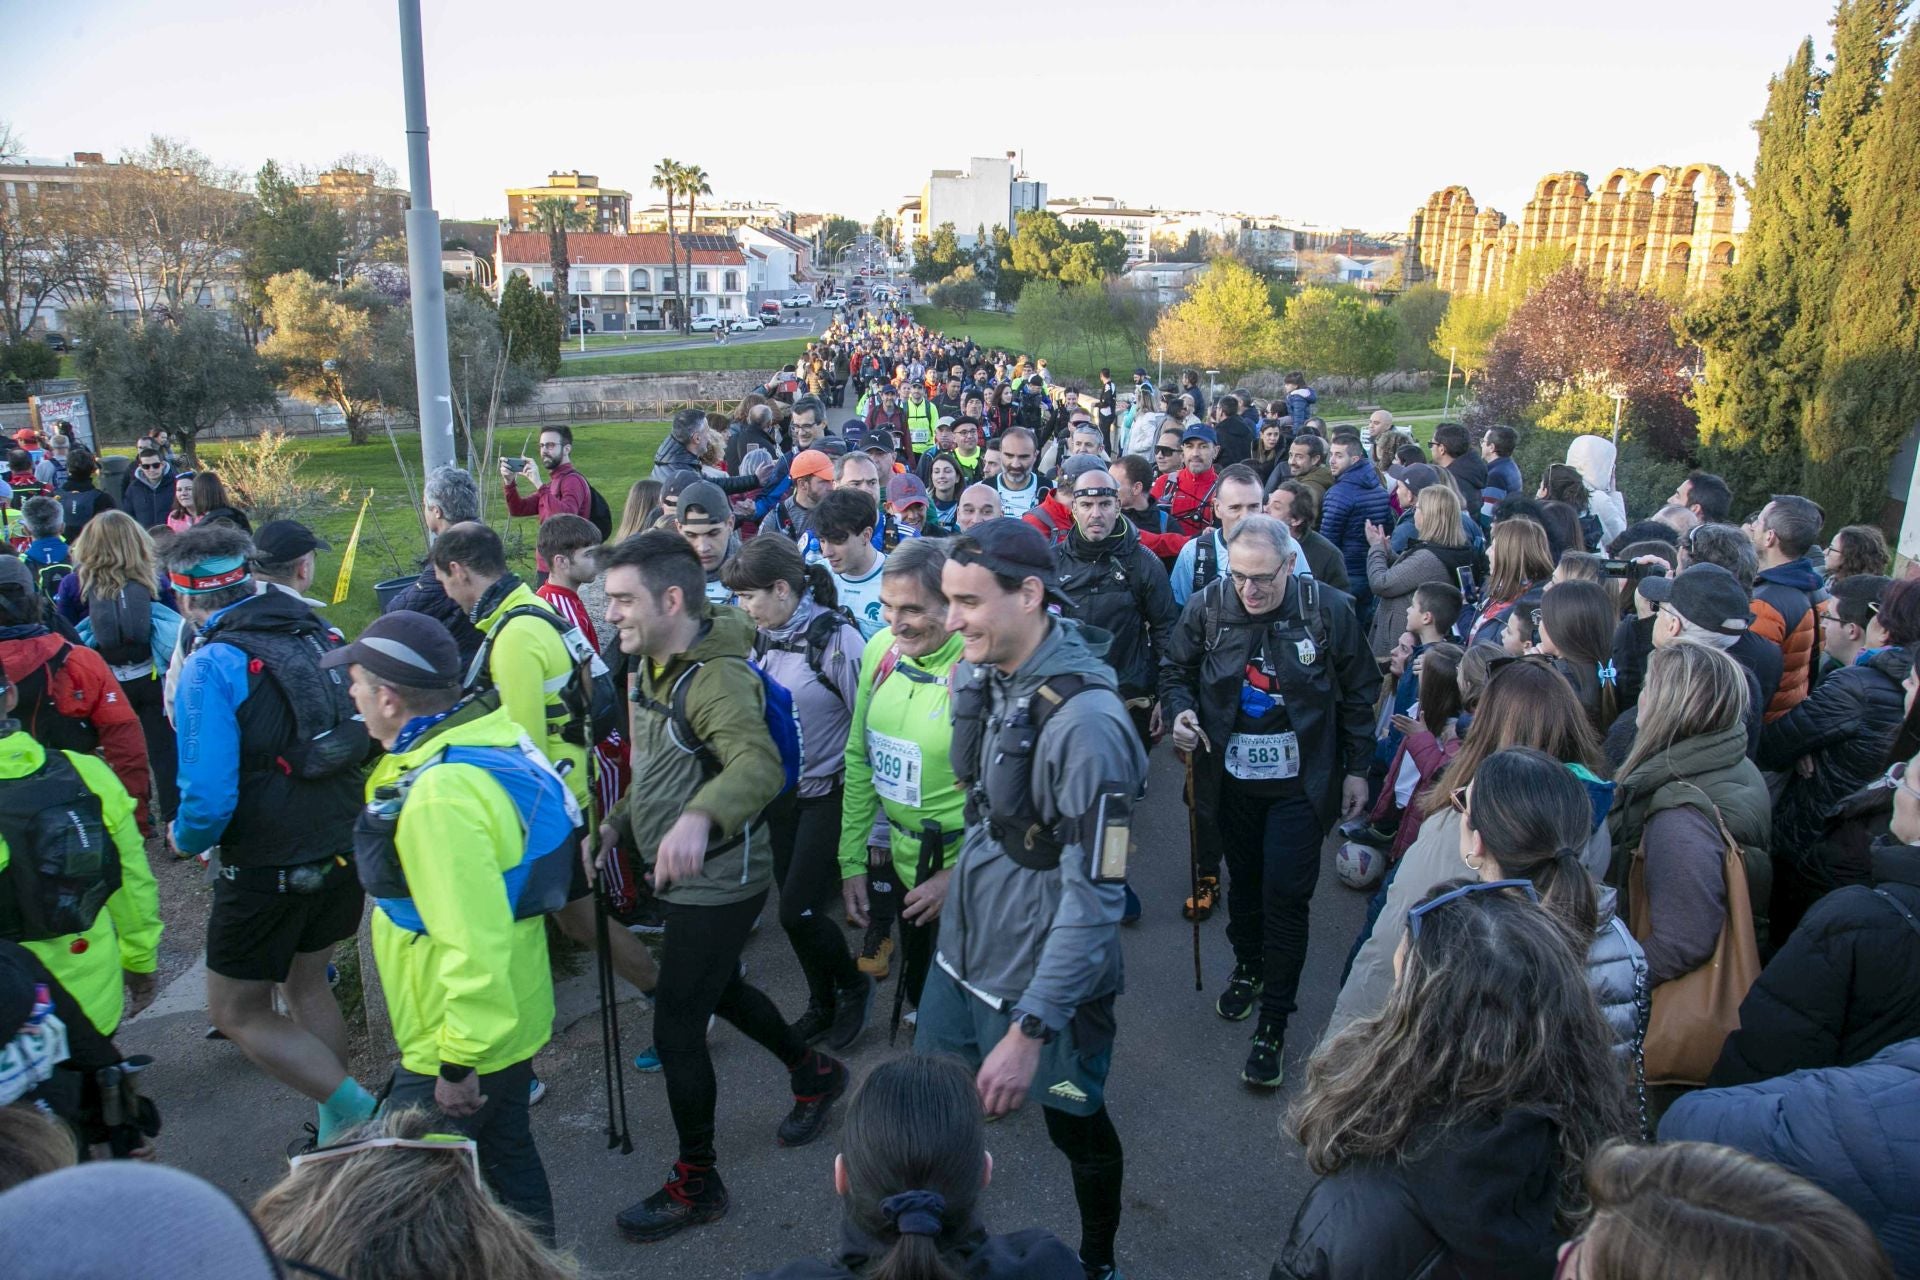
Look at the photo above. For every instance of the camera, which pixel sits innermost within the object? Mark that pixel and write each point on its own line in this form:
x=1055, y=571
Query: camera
x=1633, y=571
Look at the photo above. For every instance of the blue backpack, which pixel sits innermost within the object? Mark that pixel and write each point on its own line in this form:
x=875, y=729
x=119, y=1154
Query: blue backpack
x=783, y=723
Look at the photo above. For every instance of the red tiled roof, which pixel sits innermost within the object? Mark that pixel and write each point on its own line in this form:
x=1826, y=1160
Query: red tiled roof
x=587, y=248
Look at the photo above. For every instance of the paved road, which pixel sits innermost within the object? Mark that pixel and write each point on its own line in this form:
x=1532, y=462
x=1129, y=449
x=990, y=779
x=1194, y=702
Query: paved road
x=800, y=324
x=1212, y=1181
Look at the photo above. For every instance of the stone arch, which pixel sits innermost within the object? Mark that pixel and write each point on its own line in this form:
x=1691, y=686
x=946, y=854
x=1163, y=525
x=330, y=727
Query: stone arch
x=1620, y=181
x=1635, y=266
x=1656, y=181
x=1679, y=262
x=613, y=280
x=1719, y=259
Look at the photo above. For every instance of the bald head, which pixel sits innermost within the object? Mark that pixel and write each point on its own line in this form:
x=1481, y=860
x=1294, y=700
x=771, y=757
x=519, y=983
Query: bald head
x=978, y=502
x=1380, y=423
x=1096, y=505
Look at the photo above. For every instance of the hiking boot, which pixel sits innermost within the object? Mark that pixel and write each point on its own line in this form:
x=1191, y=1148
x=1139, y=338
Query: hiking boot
x=851, y=1008
x=876, y=955
x=1243, y=991
x=828, y=1078
x=813, y=1025
x=1202, y=903
x=690, y=1198
x=1263, y=1069
x=1361, y=831
x=1130, y=914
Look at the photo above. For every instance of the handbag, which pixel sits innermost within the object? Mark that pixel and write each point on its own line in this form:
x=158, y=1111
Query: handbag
x=1694, y=1013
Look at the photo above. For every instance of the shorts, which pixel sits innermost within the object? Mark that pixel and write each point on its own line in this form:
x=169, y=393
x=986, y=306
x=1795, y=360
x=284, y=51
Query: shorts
x=254, y=936
x=1072, y=1075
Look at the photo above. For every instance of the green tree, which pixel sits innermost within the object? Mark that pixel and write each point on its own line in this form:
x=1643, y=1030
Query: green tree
x=1041, y=314
x=939, y=257
x=1226, y=322
x=476, y=353
x=1042, y=247
x=531, y=325
x=886, y=231
x=557, y=215
x=325, y=346
x=666, y=178
x=837, y=234
x=1466, y=331
x=184, y=374
x=1328, y=331
x=286, y=232
x=1420, y=310
x=29, y=361
x=959, y=293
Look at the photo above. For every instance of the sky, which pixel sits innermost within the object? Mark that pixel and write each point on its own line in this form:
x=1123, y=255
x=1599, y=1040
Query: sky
x=1333, y=115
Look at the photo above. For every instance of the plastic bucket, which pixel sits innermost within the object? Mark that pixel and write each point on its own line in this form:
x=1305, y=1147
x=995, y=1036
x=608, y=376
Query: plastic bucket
x=385, y=592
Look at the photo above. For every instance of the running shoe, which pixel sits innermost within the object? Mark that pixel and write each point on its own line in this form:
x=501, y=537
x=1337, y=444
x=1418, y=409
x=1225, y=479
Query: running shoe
x=809, y=1115
x=536, y=1090
x=1201, y=904
x=851, y=1008
x=1243, y=991
x=813, y=1025
x=1263, y=1069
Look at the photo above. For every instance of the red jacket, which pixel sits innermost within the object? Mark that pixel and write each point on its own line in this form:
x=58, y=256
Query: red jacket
x=85, y=690
x=1191, y=498
x=1051, y=517
x=564, y=493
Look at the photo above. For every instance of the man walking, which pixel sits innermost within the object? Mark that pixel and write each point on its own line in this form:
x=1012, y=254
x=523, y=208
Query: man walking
x=1028, y=961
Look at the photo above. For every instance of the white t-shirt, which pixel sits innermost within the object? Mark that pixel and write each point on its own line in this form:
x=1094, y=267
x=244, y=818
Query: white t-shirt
x=861, y=597
x=1017, y=502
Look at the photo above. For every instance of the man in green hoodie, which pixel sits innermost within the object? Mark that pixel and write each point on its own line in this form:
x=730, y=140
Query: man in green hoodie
x=702, y=743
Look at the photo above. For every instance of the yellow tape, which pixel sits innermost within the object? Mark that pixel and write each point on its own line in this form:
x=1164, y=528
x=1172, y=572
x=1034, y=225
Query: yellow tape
x=346, y=558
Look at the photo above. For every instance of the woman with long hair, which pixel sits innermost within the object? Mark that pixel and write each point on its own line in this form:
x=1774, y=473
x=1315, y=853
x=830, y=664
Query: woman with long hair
x=1001, y=412
x=913, y=1161
x=1450, y=1131
x=1564, y=534
x=1526, y=704
x=1577, y=622
x=641, y=511
x=181, y=517
x=415, y=1209
x=1518, y=566
x=1437, y=554
x=1563, y=483
x=943, y=490
x=212, y=505
x=812, y=649
x=1270, y=446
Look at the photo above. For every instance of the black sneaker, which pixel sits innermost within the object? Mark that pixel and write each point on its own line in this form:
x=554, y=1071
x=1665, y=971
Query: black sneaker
x=691, y=1198
x=1263, y=1069
x=812, y=1025
x=309, y=1140
x=809, y=1114
x=851, y=1007
x=1361, y=831
x=1243, y=990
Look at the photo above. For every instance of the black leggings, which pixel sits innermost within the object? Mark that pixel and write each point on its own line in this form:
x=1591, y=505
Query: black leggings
x=700, y=977
x=1092, y=1148
x=806, y=866
x=148, y=700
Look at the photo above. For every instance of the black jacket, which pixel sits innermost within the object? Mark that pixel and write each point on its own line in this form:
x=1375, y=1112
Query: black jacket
x=427, y=596
x=148, y=504
x=1847, y=724
x=1478, y=1206
x=1120, y=587
x=1324, y=561
x=1846, y=984
x=1470, y=474
x=744, y=439
x=1236, y=442
x=1021, y=1255
x=1329, y=700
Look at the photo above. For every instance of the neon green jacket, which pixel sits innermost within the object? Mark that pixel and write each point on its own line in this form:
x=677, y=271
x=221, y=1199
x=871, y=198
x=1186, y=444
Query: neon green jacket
x=914, y=711
x=126, y=935
x=529, y=667
x=474, y=990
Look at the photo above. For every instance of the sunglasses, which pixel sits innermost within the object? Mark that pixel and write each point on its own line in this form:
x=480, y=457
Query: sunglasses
x=448, y=1143
x=1896, y=777
x=1480, y=886
x=1167, y=449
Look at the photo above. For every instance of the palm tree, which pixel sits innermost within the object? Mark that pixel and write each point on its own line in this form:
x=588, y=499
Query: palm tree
x=666, y=178
x=557, y=215
x=693, y=185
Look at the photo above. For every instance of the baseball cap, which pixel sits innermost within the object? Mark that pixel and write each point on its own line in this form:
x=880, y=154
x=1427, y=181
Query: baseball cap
x=1705, y=595
x=946, y=420
x=1012, y=548
x=279, y=540
x=811, y=462
x=905, y=489
x=26, y=436
x=1416, y=476
x=1077, y=465
x=702, y=503
x=1138, y=372
x=404, y=647
x=1199, y=432
x=679, y=482
x=880, y=441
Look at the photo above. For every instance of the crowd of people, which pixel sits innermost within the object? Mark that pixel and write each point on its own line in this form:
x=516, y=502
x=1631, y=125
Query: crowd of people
x=1635, y=996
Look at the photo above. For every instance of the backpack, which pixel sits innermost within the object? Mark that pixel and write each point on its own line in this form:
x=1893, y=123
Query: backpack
x=1206, y=568
x=123, y=624
x=814, y=644
x=1213, y=614
x=783, y=723
x=1007, y=773
x=62, y=865
x=599, y=513
x=77, y=506
x=593, y=708
x=48, y=577
x=41, y=717
x=329, y=737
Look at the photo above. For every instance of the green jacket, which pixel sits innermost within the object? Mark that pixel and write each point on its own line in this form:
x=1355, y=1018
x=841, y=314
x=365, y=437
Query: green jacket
x=911, y=706
x=530, y=665
x=475, y=989
x=126, y=934
x=726, y=708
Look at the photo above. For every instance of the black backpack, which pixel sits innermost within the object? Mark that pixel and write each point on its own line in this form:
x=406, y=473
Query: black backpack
x=599, y=513
x=329, y=737
x=77, y=506
x=593, y=707
x=48, y=577
x=1206, y=566
x=41, y=718
x=62, y=865
x=814, y=644
x=123, y=624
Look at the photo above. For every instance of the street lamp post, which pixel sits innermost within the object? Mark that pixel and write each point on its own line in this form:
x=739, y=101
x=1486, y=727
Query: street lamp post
x=1446, y=407
x=340, y=270
x=1160, y=356
x=1213, y=385
x=1619, y=402
x=581, y=299
x=432, y=378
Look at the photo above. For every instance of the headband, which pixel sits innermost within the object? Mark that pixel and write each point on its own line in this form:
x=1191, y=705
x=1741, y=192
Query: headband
x=914, y=1213
x=1098, y=491
x=211, y=575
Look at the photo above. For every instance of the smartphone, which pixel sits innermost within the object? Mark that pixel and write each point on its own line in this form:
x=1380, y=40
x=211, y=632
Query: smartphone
x=1113, y=825
x=518, y=464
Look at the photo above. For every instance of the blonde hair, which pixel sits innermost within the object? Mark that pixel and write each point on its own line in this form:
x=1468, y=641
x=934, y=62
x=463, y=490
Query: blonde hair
x=112, y=553
x=1691, y=689
x=1517, y=555
x=32, y=1143
x=1436, y=517
x=394, y=1213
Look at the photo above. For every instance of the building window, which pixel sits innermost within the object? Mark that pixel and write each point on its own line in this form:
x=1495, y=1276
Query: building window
x=640, y=284
x=733, y=282
x=546, y=286
x=700, y=282
x=667, y=283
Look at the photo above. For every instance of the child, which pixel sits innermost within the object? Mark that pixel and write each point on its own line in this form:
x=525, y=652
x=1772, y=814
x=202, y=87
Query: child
x=46, y=553
x=1429, y=739
x=1430, y=619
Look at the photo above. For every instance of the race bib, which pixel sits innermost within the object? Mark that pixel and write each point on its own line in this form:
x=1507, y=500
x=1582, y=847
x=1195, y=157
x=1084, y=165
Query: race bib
x=896, y=768
x=1263, y=757
x=918, y=432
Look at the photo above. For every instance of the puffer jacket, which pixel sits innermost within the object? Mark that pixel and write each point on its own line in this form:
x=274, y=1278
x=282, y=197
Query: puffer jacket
x=1846, y=984
x=1118, y=586
x=1356, y=499
x=822, y=700
x=1783, y=612
x=427, y=596
x=1617, y=972
x=1393, y=584
x=1848, y=1130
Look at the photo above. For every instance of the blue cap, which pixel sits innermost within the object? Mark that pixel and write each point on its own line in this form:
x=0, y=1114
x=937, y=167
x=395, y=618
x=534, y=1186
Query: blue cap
x=1199, y=432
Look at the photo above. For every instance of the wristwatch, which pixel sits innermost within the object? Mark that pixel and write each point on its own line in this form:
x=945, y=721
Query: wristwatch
x=1032, y=1027
x=454, y=1074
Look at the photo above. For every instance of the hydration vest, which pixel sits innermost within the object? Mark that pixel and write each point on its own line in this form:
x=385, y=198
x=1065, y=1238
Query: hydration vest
x=62, y=865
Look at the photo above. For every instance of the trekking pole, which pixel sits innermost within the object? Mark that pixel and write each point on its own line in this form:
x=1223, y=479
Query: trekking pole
x=610, y=1029
x=1193, y=870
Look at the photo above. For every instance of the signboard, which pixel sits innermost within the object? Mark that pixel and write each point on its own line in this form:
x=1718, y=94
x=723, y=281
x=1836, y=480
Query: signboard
x=71, y=413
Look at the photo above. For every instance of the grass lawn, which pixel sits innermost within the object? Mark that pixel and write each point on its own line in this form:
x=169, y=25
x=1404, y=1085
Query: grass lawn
x=751, y=355
x=644, y=337
x=611, y=455
x=1000, y=329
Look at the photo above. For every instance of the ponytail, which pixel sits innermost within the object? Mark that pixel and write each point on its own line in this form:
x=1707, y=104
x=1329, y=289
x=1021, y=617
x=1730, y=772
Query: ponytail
x=917, y=1220
x=1534, y=817
x=1566, y=890
x=819, y=585
x=915, y=1151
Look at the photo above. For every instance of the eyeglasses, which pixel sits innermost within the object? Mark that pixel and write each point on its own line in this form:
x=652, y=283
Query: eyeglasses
x=1255, y=579
x=449, y=1143
x=153, y=466
x=1161, y=448
x=1481, y=886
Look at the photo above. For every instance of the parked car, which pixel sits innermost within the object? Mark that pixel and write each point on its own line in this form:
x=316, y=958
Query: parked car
x=770, y=308
x=747, y=324
x=573, y=328
x=704, y=324
x=54, y=341
x=769, y=319
x=799, y=300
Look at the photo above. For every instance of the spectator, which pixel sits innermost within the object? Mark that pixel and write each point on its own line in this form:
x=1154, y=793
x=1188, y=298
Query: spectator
x=180, y=517
x=1450, y=1132
x=1594, y=457
x=1518, y=567
x=1269, y=454
x=285, y=557
x=1503, y=473
x=1307, y=460
x=1356, y=500
x=1300, y=399
x=1576, y=631
x=1236, y=436
x=1704, y=605
x=753, y=429
x=400, y=1202
x=96, y=1219
x=211, y=505
x=1440, y=554
x=1453, y=453
x=1856, y=549
x=1297, y=504
x=1705, y=495
x=566, y=491
x=1784, y=593
x=978, y=502
x=1677, y=518
x=684, y=444
x=1725, y=545
x=1709, y=1213
x=1197, y=399
x=1839, y=736
x=1847, y=983
x=641, y=509
x=50, y=467
x=1562, y=524
x=912, y=1166
x=148, y=497
x=449, y=497
x=32, y=1143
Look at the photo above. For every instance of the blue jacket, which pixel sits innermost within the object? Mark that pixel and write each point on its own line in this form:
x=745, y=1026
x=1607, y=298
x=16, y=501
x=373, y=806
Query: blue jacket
x=1855, y=1131
x=1301, y=402
x=1357, y=496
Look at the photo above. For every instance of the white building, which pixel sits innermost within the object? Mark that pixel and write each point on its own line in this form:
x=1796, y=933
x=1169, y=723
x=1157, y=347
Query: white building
x=628, y=281
x=776, y=261
x=1137, y=225
x=1168, y=282
x=987, y=195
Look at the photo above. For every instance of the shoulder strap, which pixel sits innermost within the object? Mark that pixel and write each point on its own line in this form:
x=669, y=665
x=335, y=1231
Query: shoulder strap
x=1052, y=695
x=1901, y=907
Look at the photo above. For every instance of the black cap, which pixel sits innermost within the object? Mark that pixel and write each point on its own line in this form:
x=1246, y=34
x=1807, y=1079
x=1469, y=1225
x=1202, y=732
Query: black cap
x=405, y=648
x=880, y=441
x=1705, y=595
x=281, y=540
x=1012, y=548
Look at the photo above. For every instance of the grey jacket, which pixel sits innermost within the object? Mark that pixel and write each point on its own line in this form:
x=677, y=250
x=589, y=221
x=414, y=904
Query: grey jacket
x=1044, y=942
x=1617, y=972
x=824, y=707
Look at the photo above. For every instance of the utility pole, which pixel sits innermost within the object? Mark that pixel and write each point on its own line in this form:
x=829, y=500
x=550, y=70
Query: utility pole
x=432, y=377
